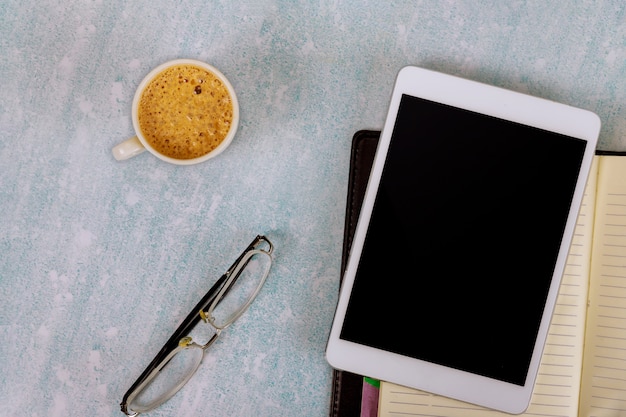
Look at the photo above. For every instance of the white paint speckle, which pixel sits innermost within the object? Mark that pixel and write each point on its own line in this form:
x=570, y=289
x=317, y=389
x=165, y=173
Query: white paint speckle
x=540, y=64
x=215, y=203
x=86, y=107
x=132, y=197
x=66, y=65
x=286, y=316
x=56, y=279
x=63, y=375
x=611, y=57
x=43, y=333
x=112, y=333
x=102, y=390
x=94, y=360
x=84, y=238
x=59, y=406
x=308, y=47
x=117, y=93
x=278, y=99
x=257, y=369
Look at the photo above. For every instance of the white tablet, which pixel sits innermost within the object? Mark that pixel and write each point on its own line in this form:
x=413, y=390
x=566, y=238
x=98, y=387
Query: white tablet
x=462, y=239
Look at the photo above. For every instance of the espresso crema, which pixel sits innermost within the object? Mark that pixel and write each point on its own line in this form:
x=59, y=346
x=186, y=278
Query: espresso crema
x=185, y=112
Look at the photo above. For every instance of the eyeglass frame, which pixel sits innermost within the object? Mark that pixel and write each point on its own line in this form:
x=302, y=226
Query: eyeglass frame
x=178, y=340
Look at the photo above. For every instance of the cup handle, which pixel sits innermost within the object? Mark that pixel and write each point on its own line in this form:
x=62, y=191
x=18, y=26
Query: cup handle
x=127, y=149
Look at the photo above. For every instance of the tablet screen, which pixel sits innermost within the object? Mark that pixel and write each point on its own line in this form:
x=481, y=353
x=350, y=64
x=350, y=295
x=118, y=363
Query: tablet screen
x=463, y=239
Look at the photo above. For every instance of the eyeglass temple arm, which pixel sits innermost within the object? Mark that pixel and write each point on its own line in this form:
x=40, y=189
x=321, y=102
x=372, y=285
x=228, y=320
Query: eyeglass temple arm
x=192, y=318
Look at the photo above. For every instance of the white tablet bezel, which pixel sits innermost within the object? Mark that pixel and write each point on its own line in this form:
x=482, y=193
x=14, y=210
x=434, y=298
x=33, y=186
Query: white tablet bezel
x=496, y=102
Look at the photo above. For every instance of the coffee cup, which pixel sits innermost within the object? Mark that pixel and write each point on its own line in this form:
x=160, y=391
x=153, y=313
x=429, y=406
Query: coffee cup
x=184, y=112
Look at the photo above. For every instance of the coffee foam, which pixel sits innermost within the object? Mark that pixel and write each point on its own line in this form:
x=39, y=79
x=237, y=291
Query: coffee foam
x=185, y=112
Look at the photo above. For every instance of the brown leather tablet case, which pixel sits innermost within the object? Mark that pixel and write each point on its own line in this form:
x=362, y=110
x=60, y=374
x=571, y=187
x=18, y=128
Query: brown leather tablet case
x=347, y=387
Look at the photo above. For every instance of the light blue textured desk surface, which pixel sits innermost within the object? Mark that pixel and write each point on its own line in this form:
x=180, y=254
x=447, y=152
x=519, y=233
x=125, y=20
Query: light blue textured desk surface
x=99, y=259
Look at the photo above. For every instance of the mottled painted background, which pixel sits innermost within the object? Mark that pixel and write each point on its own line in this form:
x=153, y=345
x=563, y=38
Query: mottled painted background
x=100, y=259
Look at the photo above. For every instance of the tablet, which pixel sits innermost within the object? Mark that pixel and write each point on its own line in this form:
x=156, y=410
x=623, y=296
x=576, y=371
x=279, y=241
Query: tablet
x=462, y=239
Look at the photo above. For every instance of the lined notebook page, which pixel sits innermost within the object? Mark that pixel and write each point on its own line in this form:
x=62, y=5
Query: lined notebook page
x=557, y=387
x=604, y=376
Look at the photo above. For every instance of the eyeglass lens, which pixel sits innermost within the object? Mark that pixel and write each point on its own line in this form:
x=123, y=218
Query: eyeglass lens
x=244, y=288
x=169, y=379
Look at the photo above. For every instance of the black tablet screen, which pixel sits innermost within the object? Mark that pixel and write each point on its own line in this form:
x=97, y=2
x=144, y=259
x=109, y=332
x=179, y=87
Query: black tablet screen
x=463, y=239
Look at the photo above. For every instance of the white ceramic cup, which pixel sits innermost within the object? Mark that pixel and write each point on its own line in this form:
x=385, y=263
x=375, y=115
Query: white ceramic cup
x=138, y=144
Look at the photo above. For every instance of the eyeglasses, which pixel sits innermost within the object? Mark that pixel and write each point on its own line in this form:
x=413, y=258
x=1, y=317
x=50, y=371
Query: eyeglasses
x=180, y=357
